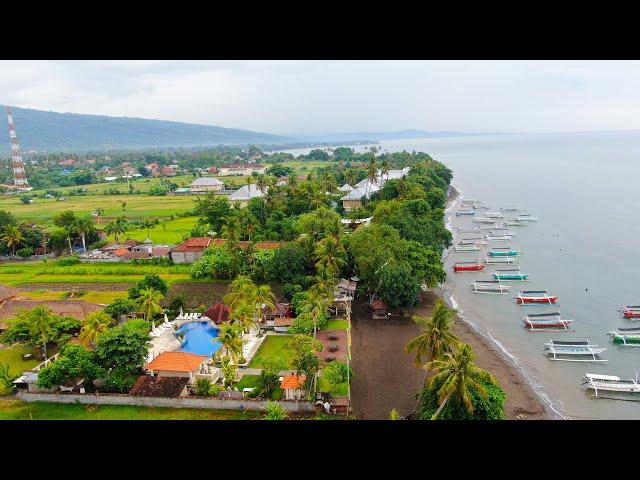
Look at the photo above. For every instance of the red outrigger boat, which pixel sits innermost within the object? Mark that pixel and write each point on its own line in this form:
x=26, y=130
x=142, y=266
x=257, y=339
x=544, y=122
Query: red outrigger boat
x=631, y=311
x=535, y=296
x=468, y=266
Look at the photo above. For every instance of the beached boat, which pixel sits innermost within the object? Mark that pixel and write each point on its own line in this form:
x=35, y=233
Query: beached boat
x=489, y=286
x=484, y=220
x=503, y=252
x=497, y=260
x=546, y=321
x=465, y=212
x=610, y=386
x=499, y=238
x=526, y=218
x=626, y=340
x=466, y=248
x=493, y=215
x=510, y=274
x=580, y=351
x=527, y=297
x=468, y=266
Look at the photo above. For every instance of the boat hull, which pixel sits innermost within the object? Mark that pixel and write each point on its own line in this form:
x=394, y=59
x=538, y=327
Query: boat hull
x=528, y=300
x=468, y=268
x=511, y=253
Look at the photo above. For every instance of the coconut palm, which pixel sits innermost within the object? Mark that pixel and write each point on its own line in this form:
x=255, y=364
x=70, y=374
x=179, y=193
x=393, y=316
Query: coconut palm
x=40, y=319
x=457, y=376
x=149, y=302
x=12, y=236
x=316, y=305
x=331, y=256
x=350, y=177
x=323, y=284
x=244, y=317
x=263, y=296
x=147, y=223
x=436, y=338
x=384, y=169
x=230, y=339
x=241, y=291
x=372, y=174
x=82, y=226
x=262, y=184
x=93, y=325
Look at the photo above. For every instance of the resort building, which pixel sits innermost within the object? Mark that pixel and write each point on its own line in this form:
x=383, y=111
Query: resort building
x=241, y=169
x=206, y=184
x=191, y=250
x=364, y=189
x=178, y=364
x=345, y=188
x=293, y=387
x=244, y=194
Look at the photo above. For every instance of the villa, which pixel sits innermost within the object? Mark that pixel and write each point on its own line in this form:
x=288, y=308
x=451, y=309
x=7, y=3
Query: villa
x=244, y=194
x=241, y=169
x=206, y=184
x=178, y=364
x=364, y=189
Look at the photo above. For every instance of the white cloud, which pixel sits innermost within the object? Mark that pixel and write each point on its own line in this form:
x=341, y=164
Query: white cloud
x=338, y=96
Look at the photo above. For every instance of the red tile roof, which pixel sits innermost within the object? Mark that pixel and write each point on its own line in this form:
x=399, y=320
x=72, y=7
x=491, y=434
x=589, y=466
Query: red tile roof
x=218, y=313
x=160, y=251
x=121, y=252
x=132, y=255
x=194, y=244
x=293, y=381
x=378, y=305
x=176, y=362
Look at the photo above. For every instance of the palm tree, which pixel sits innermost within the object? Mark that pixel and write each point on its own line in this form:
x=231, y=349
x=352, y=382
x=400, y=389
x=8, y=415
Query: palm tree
x=12, y=236
x=262, y=185
x=263, y=296
x=436, y=338
x=99, y=212
x=324, y=283
x=331, y=256
x=124, y=206
x=457, y=376
x=372, y=174
x=316, y=305
x=82, y=226
x=384, y=168
x=117, y=227
x=40, y=319
x=241, y=291
x=231, y=341
x=243, y=316
x=350, y=177
x=149, y=302
x=93, y=325
x=147, y=223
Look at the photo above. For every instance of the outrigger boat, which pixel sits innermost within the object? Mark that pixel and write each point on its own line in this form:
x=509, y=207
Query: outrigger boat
x=510, y=274
x=515, y=223
x=609, y=386
x=527, y=297
x=625, y=331
x=503, y=252
x=468, y=266
x=489, y=286
x=557, y=349
x=499, y=238
x=494, y=215
x=466, y=248
x=510, y=208
x=494, y=260
x=469, y=201
x=468, y=230
x=473, y=241
x=480, y=205
x=546, y=321
x=630, y=311
x=465, y=212
x=484, y=220
x=526, y=218
x=626, y=340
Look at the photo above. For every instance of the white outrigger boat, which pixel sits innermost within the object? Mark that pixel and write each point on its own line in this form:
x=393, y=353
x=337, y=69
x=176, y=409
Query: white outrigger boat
x=610, y=386
x=467, y=230
x=625, y=331
x=483, y=220
x=473, y=241
x=466, y=248
x=526, y=218
x=489, y=286
x=510, y=208
x=574, y=350
x=480, y=205
x=496, y=260
x=494, y=215
x=499, y=238
x=515, y=223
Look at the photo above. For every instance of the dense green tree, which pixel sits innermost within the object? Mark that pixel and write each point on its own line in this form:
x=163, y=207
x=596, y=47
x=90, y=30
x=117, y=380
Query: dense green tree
x=125, y=346
x=288, y=265
x=398, y=286
x=74, y=362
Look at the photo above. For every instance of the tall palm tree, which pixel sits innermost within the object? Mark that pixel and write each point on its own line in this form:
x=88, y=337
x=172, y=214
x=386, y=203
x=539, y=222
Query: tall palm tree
x=262, y=185
x=316, y=305
x=350, y=177
x=12, y=236
x=147, y=223
x=149, y=302
x=384, y=169
x=331, y=256
x=82, y=226
x=372, y=174
x=263, y=295
x=40, y=319
x=241, y=291
x=323, y=284
x=243, y=316
x=99, y=213
x=436, y=338
x=117, y=227
x=93, y=325
x=457, y=376
x=230, y=339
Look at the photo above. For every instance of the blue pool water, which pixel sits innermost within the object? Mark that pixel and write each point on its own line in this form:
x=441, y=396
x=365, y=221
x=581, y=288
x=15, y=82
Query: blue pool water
x=199, y=338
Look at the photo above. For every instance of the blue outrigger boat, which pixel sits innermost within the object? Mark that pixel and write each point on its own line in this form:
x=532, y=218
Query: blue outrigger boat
x=510, y=274
x=465, y=212
x=503, y=252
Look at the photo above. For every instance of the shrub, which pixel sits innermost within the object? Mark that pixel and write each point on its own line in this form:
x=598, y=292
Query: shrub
x=68, y=261
x=203, y=387
x=121, y=306
x=275, y=411
x=337, y=372
x=214, y=390
x=25, y=252
x=119, y=381
x=215, y=263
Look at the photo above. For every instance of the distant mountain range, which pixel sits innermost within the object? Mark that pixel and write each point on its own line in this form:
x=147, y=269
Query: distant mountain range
x=40, y=130
x=54, y=132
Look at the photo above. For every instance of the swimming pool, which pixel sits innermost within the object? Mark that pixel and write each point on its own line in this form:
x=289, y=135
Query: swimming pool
x=199, y=338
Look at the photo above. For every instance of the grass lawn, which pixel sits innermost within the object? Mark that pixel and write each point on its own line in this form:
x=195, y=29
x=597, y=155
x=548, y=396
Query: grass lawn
x=18, y=410
x=274, y=346
x=102, y=297
x=339, y=390
x=13, y=357
x=169, y=232
x=337, y=324
x=251, y=381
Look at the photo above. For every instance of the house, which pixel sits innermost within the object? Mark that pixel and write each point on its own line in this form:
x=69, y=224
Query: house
x=345, y=188
x=178, y=364
x=241, y=169
x=78, y=309
x=364, y=189
x=346, y=288
x=354, y=198
x=206, y=184
x=165, y=387
x=379, y=310
x=213, y=169
x=218, y=313
x=191, y=250
x=244, y=194
x=293, y=386
x=280, y=310
x=168, y=172
x=282, y=324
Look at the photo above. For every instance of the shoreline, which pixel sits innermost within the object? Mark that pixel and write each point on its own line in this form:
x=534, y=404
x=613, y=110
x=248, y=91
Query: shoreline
x=522, y=402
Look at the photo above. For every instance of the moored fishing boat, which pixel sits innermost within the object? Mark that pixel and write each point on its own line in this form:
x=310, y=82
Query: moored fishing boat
x=626, y=340
x=473, y=241
x=580, y=351
x=510, y=208
x=546, y=321
x=464, y=212
x=510, y=274
x=484, y=220
x=503, y=252
x=515, y=223
x=489, y=286
x=499, y=238
x=480, y=205
x=630, y=311
x=493, y=215
x=466, y=248
x=527, y=297
x=526, y=218
x=610, y=386
x=468, y=266
x=467, y=230
x=497, y=260
x=625, y=331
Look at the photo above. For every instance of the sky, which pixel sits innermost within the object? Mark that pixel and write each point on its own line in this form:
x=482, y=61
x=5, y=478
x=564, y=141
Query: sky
x=315, y=97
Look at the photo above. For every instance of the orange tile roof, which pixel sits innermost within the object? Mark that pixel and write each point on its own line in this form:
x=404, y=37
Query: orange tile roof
x=121, y=252
x=293, y=381
x=196, y=244
x=176, y=362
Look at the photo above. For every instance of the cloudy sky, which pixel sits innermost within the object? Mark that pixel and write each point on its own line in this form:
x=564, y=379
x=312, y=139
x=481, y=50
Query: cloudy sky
x=295, y=97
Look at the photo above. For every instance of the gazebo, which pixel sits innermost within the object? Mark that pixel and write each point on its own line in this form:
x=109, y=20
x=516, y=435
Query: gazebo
x=218, y=313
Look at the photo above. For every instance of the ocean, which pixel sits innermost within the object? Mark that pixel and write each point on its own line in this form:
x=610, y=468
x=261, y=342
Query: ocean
x=584, y=248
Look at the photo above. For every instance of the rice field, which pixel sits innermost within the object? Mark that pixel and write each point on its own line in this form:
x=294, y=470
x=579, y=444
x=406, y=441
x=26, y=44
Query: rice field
x=166, y=233
x=99, y=297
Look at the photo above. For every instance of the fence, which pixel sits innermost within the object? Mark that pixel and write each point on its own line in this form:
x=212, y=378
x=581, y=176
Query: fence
x=299, y=406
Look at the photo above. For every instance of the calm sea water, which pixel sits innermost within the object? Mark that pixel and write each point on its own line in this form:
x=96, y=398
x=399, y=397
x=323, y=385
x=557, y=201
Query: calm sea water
x=584, y=248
